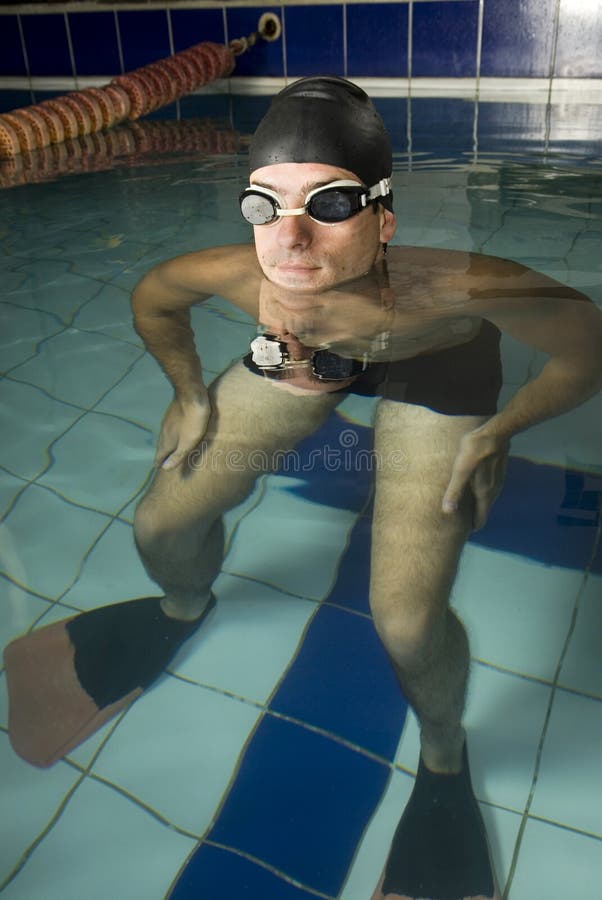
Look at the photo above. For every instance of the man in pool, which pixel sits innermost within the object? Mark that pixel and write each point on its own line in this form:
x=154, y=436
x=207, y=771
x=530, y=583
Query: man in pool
x=414, y=326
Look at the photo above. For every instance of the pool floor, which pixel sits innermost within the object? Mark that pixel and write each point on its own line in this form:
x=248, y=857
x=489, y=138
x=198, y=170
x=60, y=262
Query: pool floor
x=275, y=756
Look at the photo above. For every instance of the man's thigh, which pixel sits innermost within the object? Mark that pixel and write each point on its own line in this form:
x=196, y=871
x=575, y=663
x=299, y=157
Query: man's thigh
x=415, y=546
x=254, y=423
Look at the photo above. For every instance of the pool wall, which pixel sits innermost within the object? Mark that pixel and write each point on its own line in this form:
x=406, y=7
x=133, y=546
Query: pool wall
x=547, y=42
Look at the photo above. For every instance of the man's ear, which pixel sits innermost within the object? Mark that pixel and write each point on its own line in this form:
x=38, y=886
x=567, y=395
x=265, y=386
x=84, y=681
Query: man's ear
x=388, y=224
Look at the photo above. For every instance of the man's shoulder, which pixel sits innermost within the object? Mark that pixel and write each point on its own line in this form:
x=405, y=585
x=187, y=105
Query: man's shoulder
x=215, y=269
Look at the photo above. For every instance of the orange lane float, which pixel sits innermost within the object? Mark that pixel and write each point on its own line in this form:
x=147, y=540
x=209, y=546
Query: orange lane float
x=127, y=97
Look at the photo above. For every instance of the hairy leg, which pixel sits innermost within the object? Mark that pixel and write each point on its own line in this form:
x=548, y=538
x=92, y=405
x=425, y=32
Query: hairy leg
x=178, y=524
x=416, y=549
x=439, y=849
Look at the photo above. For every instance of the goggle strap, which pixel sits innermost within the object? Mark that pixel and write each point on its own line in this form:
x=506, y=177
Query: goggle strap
x=380, y=190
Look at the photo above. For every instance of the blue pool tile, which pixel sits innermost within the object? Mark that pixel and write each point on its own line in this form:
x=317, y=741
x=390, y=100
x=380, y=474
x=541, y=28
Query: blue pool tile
x=47, y=45
x=191, y=26
x=144, y=36
x=12, y=61
x=444, y=39
x=236, y=876
x=579, y=47
x=94, y=40
x=314, y=42
x=307, y=824
x=337, y=460
x=352, y=587
x=517, y=38
x=342, y=681
x=430, y=125
x=394, y=111
x=14, y=99
x=511, y=125
x=546, y=514
x=265, y=58
x=377, y=40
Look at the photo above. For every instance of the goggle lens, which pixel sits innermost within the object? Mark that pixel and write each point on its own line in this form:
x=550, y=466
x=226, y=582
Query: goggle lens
x=258, y=209
x=335, y=205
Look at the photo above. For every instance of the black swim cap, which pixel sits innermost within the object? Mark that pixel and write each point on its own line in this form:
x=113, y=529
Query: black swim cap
x=324, y=119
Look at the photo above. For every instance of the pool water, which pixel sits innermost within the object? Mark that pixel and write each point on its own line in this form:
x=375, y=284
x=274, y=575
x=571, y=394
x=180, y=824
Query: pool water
x=274, y=758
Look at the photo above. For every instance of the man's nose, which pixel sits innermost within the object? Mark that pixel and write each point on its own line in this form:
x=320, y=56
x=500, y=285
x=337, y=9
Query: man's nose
x=295, y=230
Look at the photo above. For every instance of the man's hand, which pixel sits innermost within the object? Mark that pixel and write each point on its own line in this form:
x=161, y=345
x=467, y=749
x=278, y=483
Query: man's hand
x=480, y=464
x=183, y=426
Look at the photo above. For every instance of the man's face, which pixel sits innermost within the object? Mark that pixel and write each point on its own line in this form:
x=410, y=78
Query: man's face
x=306, y=256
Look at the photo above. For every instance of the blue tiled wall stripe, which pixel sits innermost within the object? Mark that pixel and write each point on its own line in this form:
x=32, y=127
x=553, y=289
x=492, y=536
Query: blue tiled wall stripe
x=362, y=39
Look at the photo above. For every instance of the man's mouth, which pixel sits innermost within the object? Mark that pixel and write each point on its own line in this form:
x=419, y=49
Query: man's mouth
x=296, y=267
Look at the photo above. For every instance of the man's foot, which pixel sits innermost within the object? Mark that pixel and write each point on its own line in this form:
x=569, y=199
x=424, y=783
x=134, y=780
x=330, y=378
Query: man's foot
x=67, y=679
x=440, y=850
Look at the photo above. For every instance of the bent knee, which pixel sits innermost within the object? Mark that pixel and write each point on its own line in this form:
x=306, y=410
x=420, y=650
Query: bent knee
x=156, y=526
x=411, y=635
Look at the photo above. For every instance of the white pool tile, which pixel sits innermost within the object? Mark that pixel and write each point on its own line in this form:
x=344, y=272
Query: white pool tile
x=19, y=610
x=9, y=488
x=38, y=552
x=29, y=799
x=122, y=850
x=100, y=463
x=110, y=313
x=268, y=541
x=191, y=737
x=249, y=639
x=572, y=440
x=569, y=787
x=556, y=864
x=581, y=668
x=52, y=288
x=219, y=343
x=517, y=612
x=142, y=397
x=30, y=421
x=358, y=410
x=111, y=573
x=78, y=367
x=21, y=330
x=504, y=720
x=517, y=360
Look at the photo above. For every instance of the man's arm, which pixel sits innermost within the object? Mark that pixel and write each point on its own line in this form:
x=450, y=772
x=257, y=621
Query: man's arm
x=556, y=320
x=161, y=305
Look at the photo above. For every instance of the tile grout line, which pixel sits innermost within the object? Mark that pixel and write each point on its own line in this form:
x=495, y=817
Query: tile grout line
x=283, y=39
x=553, y=692
x=119, y=41
x=71, y=51
x=551, y=76
x=84, y=773
x=479, y=51
x=25, y=55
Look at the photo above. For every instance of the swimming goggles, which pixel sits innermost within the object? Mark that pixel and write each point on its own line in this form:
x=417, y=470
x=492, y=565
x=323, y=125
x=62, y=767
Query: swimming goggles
x=328, y=205
x=270, y=355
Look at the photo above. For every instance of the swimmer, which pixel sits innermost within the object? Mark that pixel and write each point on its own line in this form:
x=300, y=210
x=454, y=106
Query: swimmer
x=339, y=310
